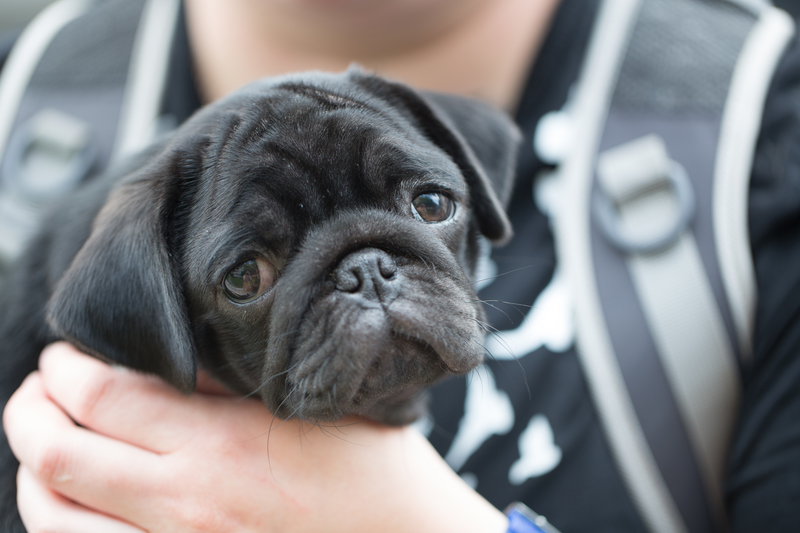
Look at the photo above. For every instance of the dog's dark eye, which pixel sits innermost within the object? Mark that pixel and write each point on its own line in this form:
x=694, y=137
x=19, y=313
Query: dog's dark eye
x=248, y=280
x=433, y=207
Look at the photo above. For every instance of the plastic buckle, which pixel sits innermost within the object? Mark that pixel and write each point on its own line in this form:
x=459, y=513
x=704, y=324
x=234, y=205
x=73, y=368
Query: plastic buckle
x=628, y=174
x=47, y=157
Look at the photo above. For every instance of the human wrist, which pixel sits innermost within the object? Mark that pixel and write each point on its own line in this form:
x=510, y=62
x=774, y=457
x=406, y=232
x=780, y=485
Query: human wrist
x=429, y=496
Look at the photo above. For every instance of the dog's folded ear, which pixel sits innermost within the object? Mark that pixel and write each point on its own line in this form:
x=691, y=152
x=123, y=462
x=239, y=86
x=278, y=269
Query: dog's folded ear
x=121, y=298
x=482, y=140
x=488, y=133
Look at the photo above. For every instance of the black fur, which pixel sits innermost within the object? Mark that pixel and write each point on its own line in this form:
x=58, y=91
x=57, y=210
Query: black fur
x=315, y=174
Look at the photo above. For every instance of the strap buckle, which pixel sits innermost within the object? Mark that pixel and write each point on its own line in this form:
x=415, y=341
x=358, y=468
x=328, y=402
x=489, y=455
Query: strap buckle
x=640, y=175
x=46, y=158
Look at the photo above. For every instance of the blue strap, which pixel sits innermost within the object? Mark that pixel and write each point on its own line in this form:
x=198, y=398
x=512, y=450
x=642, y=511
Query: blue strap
x=522, y=520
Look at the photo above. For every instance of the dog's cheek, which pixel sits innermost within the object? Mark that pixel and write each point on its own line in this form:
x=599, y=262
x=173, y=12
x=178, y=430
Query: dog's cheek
x=212, y=353
x=230, y=339
x=470, y=250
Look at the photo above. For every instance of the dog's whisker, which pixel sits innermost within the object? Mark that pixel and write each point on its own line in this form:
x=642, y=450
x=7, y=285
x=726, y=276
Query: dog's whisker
x=506, y=273
x=522, y=372
x=520, y=308
x=266, y=382
x=335, y=405
x=490, y=329
x=332, y=400
x=498, y=309
x=492, y=357
x=512, y=304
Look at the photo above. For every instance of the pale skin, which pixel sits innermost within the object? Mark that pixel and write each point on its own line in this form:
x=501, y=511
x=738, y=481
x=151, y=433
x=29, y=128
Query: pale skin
x=477, y=48
x=149, y=459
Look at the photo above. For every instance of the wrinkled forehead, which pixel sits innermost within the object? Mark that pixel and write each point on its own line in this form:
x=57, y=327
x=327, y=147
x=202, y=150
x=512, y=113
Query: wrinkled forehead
x=307, y=137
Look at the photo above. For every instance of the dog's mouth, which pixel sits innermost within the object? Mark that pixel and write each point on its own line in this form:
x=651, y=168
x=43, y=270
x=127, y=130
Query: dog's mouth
x=409, y=364
x=352, y=353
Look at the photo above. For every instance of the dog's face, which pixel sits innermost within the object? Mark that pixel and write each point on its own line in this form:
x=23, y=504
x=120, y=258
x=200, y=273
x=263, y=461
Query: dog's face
x=310, y=240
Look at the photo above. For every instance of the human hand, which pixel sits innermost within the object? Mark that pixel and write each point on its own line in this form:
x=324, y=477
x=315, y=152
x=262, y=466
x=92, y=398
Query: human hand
x=150, y=459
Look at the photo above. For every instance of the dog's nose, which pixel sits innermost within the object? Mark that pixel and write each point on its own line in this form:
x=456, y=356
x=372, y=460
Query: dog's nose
x=368, y=273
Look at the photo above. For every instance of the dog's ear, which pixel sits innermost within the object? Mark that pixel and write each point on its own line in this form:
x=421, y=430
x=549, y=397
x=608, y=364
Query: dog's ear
x=490, y=134
x=121, y=298
x=481, y=140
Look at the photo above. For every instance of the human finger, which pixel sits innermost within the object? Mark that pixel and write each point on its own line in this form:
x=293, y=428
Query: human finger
x=128, y=406
x=43, y=510
x=76, y=462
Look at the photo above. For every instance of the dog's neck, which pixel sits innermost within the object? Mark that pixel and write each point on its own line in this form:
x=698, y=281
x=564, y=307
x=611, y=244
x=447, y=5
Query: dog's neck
x=478, y=48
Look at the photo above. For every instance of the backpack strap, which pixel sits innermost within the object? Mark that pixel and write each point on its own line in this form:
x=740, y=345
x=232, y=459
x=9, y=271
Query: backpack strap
x=144, y=93
x=654, y=238
x=740, y=126
x=82, y=87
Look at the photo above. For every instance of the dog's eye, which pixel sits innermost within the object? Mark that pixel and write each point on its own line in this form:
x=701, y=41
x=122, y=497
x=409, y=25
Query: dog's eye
x=248, y=280
x=433, y=207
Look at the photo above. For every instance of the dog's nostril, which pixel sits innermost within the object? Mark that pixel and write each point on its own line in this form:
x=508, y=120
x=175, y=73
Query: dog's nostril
x=387, y=266
x=346, y=280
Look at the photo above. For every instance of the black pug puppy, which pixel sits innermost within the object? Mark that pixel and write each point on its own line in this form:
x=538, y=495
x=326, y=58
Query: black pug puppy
x=310, y=239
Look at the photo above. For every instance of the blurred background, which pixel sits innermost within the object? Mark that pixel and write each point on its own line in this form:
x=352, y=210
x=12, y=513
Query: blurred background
x=15, y=13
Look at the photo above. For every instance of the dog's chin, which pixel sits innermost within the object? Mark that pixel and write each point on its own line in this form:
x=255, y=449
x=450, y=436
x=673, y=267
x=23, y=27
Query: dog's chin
x=399, y=409
x=375, y=360
x=388, y=392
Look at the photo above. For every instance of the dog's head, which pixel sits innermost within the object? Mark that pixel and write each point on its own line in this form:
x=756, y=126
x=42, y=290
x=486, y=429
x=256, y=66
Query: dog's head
x=310, y=239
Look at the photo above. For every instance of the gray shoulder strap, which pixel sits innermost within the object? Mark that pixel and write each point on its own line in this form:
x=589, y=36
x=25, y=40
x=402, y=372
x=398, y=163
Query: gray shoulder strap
x=82, y=86
x=654, y=238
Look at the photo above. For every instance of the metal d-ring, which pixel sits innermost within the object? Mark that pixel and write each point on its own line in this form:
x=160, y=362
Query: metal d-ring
x=24, y=144
x=606, y=216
